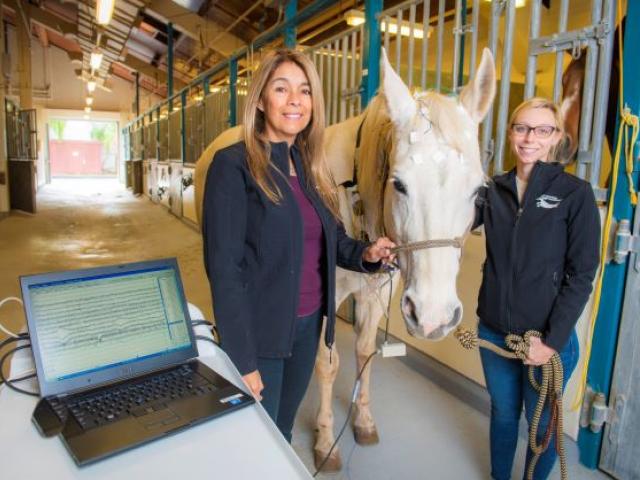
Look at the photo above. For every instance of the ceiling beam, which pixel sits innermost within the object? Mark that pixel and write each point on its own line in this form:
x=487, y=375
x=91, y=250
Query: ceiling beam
x=190, y=23
x=150, y=71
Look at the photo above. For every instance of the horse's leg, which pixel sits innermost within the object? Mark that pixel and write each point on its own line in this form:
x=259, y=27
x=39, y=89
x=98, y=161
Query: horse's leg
x=327, y=363
x=370, y=302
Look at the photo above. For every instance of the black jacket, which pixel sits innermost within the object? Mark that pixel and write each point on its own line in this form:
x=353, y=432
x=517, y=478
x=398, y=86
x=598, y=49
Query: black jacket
x=253, y=256
x=541, y=257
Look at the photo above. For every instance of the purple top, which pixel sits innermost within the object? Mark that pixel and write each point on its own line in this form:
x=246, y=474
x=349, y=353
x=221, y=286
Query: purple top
x=311, y=277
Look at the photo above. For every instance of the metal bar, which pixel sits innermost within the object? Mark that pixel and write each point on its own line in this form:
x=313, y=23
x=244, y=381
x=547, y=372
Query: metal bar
x=557, y=74
x=343, y=78
x=602, y=91
x=398, y=40
x=169, y=59
x=534, y=32
x=290, y=32
x=233, y=92
x=457, y=35
x=440, y=45
x=329, y=87
x=336, y=84
x=588, y=92
x=387, y=21
x=352, y=76
x=425, y=43
x=505, y=86
x=183, y=129
x=488, y=146
x=475, y=24
x=370, y=51
x=566, y=40
x=412, y=26
x=137, y=83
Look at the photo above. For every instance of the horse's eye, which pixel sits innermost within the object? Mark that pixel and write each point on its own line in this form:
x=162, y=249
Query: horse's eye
x=399, y=186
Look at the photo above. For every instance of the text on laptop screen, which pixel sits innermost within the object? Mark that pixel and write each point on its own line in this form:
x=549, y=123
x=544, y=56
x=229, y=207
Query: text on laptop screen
x=93, y=323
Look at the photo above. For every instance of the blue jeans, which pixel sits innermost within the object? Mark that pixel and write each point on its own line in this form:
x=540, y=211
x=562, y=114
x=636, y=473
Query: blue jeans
x=509, y=387
x=286, y=379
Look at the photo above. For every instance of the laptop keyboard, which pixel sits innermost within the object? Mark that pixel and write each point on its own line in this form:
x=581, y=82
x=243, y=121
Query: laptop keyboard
x=132, y=399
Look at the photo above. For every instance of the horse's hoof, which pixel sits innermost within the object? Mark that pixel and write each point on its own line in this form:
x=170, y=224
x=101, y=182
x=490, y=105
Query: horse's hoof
x=333, y=463
x=366, y=436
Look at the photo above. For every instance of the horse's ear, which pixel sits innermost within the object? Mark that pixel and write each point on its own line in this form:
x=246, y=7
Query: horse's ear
x=477, y=96
x=400, y=103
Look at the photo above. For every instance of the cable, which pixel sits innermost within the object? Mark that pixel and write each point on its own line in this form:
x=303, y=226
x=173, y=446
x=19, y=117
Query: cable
x=354, y=395
x=207, y=339
x=8, y=382
x=2, y=327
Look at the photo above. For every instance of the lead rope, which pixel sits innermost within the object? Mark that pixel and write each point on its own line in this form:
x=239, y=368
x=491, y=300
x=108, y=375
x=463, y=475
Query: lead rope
x=549, y=388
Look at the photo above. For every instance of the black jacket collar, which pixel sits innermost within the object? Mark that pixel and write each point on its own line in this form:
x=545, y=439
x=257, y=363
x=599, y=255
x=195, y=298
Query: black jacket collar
x=542, y=175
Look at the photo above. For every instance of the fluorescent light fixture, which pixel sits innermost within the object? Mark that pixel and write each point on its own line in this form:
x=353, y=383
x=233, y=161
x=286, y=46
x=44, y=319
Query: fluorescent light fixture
x=87, y=109
x=176, y=108
x=91, y=86
x=89, y=101
x=104, y=11
x=96, y=59
x=356, y=17
x=519, y=3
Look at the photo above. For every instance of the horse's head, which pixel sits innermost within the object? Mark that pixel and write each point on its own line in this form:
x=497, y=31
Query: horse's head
x=434, y=174
x=570, y=107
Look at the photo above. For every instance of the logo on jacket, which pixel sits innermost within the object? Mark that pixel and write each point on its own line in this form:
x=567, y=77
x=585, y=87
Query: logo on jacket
x=547, y=201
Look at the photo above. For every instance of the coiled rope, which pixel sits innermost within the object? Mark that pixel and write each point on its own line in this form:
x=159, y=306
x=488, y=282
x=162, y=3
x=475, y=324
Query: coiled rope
x=549, y=390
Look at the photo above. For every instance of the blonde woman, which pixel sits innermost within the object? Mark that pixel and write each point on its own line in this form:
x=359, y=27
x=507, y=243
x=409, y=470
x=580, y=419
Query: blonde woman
x=272, y=237
x=542, y=235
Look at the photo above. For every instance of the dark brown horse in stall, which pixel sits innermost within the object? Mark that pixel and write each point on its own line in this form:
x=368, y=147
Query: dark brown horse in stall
x=571, y=106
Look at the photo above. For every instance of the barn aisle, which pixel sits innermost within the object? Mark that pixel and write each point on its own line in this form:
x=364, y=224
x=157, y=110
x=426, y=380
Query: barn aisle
x=425, y=431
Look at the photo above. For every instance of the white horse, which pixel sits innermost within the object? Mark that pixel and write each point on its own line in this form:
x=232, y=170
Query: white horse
x=418, y=168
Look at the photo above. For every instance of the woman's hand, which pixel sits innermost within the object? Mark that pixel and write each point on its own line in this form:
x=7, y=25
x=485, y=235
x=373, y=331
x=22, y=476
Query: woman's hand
x=253, y=381
x=380, y=250
x=538, y=353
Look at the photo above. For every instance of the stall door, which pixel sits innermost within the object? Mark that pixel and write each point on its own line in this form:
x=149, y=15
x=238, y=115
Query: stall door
x=619, y=456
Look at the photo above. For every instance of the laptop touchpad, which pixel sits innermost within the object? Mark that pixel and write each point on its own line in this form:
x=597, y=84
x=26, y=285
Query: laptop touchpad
x=158, y=419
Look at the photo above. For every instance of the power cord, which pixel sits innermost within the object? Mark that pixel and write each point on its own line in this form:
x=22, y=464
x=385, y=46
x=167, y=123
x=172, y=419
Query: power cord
x=214, y=331
x=9, y=382
x=387, y=350
x=2, y=327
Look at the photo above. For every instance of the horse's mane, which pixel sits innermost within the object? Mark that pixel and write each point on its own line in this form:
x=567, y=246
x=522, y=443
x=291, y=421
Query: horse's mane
x=377, y=143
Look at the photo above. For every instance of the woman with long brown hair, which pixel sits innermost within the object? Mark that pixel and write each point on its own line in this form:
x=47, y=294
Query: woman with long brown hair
x=272, y=236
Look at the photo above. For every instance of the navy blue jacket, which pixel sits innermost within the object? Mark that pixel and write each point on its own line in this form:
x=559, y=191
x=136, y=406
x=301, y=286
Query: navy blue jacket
x=542, y=256
x=253, y=255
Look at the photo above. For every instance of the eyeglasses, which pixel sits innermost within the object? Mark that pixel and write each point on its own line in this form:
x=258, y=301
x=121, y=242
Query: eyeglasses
x=541, y=131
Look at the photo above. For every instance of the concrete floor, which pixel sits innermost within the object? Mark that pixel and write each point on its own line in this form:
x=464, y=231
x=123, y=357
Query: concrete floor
x=424, y=430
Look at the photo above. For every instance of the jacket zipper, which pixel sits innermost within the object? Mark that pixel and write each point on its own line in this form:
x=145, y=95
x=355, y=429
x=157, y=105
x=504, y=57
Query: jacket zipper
x=513, y=265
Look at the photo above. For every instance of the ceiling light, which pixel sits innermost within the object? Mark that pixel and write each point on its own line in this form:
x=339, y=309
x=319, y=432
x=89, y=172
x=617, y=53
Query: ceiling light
x=89, y=101
x=87, y=109
x=96, y=59
x=104, y=11
x=519, y=3
x=91, y=85
x=356, y=17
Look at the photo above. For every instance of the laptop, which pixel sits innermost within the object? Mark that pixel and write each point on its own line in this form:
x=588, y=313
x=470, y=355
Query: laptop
x=115, y=356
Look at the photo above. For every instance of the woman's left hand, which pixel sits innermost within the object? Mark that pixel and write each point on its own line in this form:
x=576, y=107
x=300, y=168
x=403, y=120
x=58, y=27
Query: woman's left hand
x=380, y=250
x=539, y=353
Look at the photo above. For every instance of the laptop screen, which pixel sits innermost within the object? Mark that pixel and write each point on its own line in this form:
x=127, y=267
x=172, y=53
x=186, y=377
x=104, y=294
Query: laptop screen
x=102, y=324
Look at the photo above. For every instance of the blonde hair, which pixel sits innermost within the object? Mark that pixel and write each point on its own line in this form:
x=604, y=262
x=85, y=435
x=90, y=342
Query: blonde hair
x=309, y=141
x=540, y=102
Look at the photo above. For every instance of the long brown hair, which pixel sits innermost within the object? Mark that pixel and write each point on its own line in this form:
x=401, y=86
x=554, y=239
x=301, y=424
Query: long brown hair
x=555, y=153
x=309, y=141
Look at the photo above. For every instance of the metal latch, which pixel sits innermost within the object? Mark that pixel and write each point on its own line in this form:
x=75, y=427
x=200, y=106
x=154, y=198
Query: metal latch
x=595, y=411
x=625, y=242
